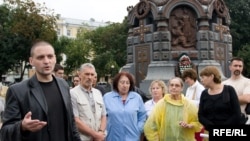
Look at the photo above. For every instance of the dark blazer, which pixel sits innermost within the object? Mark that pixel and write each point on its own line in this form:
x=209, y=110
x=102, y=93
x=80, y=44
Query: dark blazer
x=28, y=96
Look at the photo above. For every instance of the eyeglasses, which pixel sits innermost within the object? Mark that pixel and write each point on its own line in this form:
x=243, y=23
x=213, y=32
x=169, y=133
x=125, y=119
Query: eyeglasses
x=175, y=85
x=124, y=82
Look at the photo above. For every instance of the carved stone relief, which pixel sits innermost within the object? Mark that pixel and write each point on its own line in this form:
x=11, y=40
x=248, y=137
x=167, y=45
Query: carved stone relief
x=141, y=30
x=219, y=51
x=220, y=8
x=142, y=57
x=183, y=28
x=160, y=31
x=142, y=9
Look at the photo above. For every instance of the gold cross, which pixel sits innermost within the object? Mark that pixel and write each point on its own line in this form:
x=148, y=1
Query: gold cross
x=221, y=28
x=141, y=30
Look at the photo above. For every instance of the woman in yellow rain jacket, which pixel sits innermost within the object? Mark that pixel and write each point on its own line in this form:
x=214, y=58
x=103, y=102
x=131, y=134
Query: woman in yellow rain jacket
x=174, y=118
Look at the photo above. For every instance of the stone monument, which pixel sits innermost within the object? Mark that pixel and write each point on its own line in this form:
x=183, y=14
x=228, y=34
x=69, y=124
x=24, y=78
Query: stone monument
x=160, y=31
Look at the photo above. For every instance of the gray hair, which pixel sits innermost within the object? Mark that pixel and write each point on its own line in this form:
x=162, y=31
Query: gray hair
x=86, y=65
x=178, y=78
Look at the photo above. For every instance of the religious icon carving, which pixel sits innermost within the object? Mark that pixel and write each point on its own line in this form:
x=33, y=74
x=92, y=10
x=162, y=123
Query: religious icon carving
x=142, y=9
x=183, y=28
x=220, y=8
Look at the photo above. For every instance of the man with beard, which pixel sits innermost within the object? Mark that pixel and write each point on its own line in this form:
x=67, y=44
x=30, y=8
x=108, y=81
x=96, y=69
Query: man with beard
x=240, y=83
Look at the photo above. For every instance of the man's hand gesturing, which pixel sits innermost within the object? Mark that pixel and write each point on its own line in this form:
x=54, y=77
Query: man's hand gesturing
x=32, y=125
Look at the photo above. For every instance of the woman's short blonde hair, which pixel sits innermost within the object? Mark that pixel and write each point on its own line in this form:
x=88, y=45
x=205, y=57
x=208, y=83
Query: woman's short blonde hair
x=161, y=84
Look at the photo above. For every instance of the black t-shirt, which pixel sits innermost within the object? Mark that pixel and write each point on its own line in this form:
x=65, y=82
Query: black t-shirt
x=56, y=121
x=219, y=109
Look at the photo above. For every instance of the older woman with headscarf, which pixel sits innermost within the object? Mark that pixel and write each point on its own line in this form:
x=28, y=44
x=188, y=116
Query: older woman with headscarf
x=174, y=117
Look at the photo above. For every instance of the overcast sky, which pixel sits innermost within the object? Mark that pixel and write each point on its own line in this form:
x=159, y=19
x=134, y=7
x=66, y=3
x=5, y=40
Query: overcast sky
x=100, y=10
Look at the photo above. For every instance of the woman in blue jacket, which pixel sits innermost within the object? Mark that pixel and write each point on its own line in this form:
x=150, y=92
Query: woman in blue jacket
x=126, y=114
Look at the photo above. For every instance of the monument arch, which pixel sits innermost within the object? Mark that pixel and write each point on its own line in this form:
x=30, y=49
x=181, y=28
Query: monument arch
x=160, y=31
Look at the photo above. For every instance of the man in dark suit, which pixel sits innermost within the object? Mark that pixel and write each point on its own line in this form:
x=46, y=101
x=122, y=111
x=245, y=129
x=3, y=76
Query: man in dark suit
x=39, y=109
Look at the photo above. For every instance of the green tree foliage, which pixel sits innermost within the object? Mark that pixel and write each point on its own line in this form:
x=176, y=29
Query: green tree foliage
x=60, y=47
x=109, y=46
x=27, y=23
x=245, y=53
x=103, y=64
x=239, y=12
x=240, y=29
x=6, y=52
x=78, y=51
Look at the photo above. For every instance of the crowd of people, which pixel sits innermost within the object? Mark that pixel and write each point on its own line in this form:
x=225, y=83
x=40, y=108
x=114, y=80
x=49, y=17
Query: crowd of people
x=45, y=108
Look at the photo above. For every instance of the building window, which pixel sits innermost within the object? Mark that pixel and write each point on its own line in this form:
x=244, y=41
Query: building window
x=68, y=32
x=58, y=32
x=78, y=30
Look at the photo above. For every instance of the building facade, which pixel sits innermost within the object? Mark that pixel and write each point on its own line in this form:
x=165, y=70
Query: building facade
x=70, y=27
